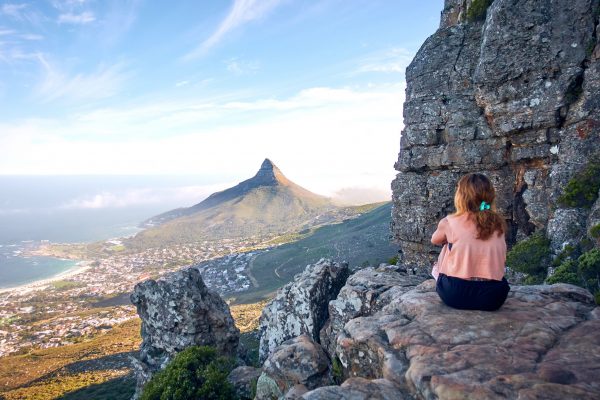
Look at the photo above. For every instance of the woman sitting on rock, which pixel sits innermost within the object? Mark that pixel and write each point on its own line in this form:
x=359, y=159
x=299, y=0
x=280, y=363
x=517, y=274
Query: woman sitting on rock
x=470, y=268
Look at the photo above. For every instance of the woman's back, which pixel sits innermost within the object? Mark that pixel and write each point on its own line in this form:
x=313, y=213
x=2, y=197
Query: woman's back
x=469, y=256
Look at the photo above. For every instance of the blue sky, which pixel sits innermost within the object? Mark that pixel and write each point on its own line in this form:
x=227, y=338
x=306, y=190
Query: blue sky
x=208, y=87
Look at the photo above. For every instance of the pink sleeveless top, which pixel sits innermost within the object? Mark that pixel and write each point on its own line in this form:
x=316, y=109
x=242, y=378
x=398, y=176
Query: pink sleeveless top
x=469, y=257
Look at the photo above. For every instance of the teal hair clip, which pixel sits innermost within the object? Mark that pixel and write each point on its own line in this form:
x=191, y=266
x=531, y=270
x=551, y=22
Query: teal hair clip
x=484, y=206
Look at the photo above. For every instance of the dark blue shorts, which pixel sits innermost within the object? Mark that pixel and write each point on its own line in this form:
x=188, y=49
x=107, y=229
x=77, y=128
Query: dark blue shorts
x=472, y=295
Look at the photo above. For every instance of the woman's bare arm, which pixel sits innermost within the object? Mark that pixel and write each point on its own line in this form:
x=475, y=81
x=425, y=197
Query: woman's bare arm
x=439, y=236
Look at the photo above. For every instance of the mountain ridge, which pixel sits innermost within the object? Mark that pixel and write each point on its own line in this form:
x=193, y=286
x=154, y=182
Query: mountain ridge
x=263, y=206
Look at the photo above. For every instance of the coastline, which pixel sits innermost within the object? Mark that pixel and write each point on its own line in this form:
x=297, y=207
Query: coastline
x=80, y=267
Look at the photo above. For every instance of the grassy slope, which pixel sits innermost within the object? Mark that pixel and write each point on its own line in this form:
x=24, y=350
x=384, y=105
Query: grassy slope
x=358, y=241
x=94, y=369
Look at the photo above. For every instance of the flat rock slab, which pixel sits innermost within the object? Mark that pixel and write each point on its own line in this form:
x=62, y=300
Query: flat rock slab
x=544, y=343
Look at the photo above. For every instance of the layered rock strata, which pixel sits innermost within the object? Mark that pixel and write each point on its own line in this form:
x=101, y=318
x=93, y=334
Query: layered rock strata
x=515, y=96
x=300, y=307
x=179, y=311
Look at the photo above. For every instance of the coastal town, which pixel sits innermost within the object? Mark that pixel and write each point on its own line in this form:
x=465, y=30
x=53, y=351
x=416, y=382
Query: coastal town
x=94, y=297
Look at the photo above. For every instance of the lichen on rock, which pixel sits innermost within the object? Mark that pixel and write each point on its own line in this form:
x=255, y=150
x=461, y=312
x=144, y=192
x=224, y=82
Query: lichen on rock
x=179, y=311
x=300, y=307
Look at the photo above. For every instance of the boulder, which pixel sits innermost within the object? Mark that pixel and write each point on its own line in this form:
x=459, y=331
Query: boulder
x=359, y=389
x=299, y=364
x=365, y=292
x=244, y=380
x=179, y=311
x=300, y=307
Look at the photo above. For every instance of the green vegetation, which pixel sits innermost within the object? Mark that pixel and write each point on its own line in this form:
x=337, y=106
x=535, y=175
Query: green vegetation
x=595, y=231
x=65, y=285
x=195, y=373
x=582, y=271
x=478, y=10
x=337, y=371
x=582, y=189
x=364, y=238
x=68, y=371
x=393, y=260
x=532, y=257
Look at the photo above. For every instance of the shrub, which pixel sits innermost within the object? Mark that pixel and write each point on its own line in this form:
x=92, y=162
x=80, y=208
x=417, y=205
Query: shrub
x=337, y=371
x=478, y=10
x=565, y=273
x=394, y=260
x=531, y=256
x=196, y=372
x=595, y=231
x=589, y=269
x=582, y=189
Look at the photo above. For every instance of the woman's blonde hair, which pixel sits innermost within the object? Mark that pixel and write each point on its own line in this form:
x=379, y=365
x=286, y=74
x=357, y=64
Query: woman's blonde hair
x=475, y=195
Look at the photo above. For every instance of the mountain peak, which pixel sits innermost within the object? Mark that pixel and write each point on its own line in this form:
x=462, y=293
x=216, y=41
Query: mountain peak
x=269, y=175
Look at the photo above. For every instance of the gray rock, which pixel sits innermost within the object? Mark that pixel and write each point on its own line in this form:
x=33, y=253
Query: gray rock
x=179, y=311
x=300, y=307
x=365, y=292
x=298, y=361
x=514, y=96
x=244, y=380
x=359, y=389
x=567, y=227
x=432, y=351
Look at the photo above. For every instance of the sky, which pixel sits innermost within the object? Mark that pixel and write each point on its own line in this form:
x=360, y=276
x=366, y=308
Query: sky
x=208, y=88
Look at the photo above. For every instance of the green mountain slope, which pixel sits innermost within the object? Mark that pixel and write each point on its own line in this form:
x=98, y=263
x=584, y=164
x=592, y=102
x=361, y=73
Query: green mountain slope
x=359, y=241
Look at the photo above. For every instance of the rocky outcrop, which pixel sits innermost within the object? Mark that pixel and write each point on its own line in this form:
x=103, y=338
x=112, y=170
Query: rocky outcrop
x=514, y=96
x=365, y=292
x=179, y=311
x=543, y=343
x=299, y=364
x=300, y=307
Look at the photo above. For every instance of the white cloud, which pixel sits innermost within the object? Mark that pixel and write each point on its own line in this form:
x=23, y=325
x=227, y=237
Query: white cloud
x=241, y=67
x=77, y=19
x=242, y=12
x=393, y=60
x=14, y=10
x=31, y=36
x=182, y=195
x=323, y=138
x=6, y=32
x=361, y=195
x=106, y=81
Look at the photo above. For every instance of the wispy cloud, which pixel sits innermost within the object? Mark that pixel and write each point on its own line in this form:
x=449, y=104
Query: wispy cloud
x=393, y=60
x=31, y=36
x=184, y=195
x=205, y=135
x=241, y=67
x=76, y=19
x=106, y=81
x=14, y=10
x=242, y=12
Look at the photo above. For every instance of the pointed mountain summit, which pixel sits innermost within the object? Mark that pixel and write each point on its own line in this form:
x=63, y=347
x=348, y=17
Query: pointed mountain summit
x=266, y=204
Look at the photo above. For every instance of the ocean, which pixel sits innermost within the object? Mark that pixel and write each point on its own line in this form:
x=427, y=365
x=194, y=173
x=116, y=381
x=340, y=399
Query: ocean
x=73, y=209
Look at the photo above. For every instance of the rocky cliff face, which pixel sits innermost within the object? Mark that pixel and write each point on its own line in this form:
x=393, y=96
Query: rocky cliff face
x=516, y=96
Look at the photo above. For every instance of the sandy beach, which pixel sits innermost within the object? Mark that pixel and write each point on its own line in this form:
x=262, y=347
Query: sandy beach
x=80, y=267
